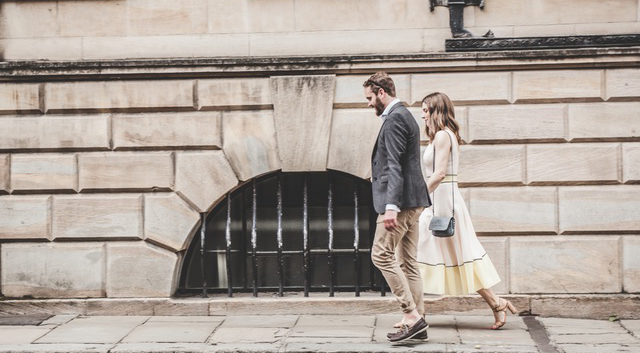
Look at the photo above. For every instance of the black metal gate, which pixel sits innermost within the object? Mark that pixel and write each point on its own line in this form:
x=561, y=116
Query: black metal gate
x=286, y=232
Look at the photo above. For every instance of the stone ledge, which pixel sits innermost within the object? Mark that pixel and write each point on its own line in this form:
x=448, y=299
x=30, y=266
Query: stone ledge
x=626, y=306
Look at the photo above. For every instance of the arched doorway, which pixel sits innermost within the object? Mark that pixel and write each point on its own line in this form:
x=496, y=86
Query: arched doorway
x=303, y=231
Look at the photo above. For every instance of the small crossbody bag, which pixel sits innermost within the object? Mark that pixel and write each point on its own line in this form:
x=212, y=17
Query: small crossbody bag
x=443, y=226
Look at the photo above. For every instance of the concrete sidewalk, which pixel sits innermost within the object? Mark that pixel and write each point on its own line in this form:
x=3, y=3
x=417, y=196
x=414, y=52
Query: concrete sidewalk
x=310, y=333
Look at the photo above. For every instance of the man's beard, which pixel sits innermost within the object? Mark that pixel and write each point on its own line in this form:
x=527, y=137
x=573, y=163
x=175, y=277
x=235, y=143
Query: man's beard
x=379, y=107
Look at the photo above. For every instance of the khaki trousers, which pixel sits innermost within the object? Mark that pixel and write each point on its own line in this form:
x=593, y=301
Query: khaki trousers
x=394, y=253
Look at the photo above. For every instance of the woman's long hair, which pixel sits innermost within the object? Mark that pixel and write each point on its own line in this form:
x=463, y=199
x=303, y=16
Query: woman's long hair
x=441, y=111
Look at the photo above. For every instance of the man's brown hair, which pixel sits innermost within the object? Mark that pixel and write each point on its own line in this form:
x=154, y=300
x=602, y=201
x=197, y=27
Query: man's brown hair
x=380, y=80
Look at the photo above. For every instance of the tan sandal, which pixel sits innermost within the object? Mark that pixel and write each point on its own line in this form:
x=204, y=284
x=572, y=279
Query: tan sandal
x=502, y=309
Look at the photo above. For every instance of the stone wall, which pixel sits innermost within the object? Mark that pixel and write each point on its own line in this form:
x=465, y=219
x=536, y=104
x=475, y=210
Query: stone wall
x=115, y=29
x=102, y=181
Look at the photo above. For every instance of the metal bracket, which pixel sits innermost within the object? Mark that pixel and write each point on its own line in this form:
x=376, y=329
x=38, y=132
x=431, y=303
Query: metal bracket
x=434, y=3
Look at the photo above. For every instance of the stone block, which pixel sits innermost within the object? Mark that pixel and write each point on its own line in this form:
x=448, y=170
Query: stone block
x=175, y=331
x=590, y=162
x=631, y=264
x=228, y=16
x=94, y=329
x=92, y=18
x=517, y=123
x=514, y=210
x=222, y=93
x=607, y=28
x=250, y=142
x=182, y=307
x=118, y=95
x=152, y=17
x=496, y=248
x=78, y=132
x=16, y=97
x=28, y=19
x=97, y=216
x=5, y=172
x=491, y=164
x=587, y=306
x=121, y=307
x=349, y=90
x=467, y=87
x=545, y=30
x=125, y=170
x=604, y=208
x=565, y=264
x=53, y=270
x=203, y=177
x=23, y=335
x=337, y=42
x=25, y=217
x=169, y=221
x=631, y=162
x=549, y=12
x=623, y=83
x=353, y=135
x=461, y=114
x=137, y=269
x=272, y=16
x=167, y=130
x=166, y=46
x=303, y=106
x=56, y=48
x=555, y=85
x=44, y=172
x=586, y=121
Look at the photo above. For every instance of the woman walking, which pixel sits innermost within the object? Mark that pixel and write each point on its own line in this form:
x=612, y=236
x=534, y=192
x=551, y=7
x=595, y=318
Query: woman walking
x=458, y=264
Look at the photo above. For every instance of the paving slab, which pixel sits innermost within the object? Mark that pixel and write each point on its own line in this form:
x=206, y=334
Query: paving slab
x=632, y=325
x=604, y=338
x=247, y=347
x=58, y=320
x=364, y=348
x=285, y=321
x=163, y=348
x=253, y=335
x=504, y=336
x=485, y=322
x=490, y=348
x=93, y=329
x=212, y=319
x=332, y=331
x=21, y=334
x=336, y=320
x=327, y=340
x=599, y=348
x=16, y=320
x=55, y=348
x=171, y=332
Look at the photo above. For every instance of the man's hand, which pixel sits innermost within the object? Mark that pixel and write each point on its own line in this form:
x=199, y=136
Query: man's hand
x=390, y=220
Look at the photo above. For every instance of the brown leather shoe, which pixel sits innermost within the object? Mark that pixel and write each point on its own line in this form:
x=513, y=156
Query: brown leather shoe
x=407, y=332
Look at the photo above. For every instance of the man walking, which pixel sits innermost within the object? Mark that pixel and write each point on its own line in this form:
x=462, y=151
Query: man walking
x=399, y=196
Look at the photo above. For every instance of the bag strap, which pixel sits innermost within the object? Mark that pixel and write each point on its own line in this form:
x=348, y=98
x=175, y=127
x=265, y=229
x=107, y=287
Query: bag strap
x=453, y=198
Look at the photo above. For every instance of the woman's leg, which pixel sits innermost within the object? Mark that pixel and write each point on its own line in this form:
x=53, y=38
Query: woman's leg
x=498, y=306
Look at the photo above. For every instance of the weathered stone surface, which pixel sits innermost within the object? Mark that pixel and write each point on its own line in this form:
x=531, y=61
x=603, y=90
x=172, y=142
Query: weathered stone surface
x=136, y=269
x=148, y=17
x=121, y=307
x=21, y=334
x=572, y=162
x=55, y=132
x=271, y=16
x=461, y=113
x=165, y=46
x=600, y=348
x=349, y=89
x=631, y=162
x=97, y=216
x=94, y=329
x=25, y=217
x=332, y=331
x=491, y=164
x=92, y=18
x=490, y=87
x=258, y=335
x=125, y=170
x=353, y=135
x=51, y=48
x=28, y=19
x=168, y=220
x=188, y=307
x=587, y=306
x=187, y=331
x=496, y=248
x=228, y=16
x=247, y=321
x=250, y=143
x=631, y=325
x=169, y=347
x=622, y=83
x=599, y=208
x=631, y=264
x=167, y=130
x=302, y=112
x=43, y=307
x=514, y=209
x=221, y=93
x=107, y=95
x=54, y=270
x=557, y=85
x=565, y=265
x=19, y=96
x=517, y=122
x=586, y=120
x=44, y=172
x=5, y=172
x=203, y=177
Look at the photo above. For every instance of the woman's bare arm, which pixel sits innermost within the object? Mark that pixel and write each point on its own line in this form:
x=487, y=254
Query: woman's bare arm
x=442, y=145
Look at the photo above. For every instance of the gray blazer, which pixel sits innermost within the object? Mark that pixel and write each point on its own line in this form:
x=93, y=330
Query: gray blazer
x=396, y=175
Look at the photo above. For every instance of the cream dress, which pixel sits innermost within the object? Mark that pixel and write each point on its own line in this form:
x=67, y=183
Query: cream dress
x=456, y=265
